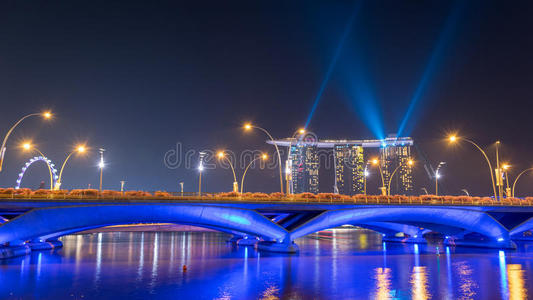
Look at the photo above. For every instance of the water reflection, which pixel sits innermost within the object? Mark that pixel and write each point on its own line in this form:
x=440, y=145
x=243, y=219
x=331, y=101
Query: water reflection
x=341, y=264
x=515, y=275
x=467, y=285
x=419, y=283
x=383, y=283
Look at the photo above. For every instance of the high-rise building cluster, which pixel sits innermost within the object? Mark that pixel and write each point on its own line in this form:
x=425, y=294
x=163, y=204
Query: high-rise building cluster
x=351, y=159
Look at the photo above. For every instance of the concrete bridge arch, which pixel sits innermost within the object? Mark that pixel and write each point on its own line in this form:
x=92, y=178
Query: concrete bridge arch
x=448, y=221
x=53, y=222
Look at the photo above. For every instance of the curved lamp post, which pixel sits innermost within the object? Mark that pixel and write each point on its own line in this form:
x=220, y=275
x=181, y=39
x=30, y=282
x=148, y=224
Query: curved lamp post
x=28, y=146
x=80, y=149
x=383, y=188
x=454, y=139
x=410, y=162
x=249, y=126
x=46, y=115
x=517, y=177
x=263, y=157
x=222, y=155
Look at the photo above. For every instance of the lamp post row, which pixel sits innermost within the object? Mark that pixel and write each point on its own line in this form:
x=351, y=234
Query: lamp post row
x=47, y=115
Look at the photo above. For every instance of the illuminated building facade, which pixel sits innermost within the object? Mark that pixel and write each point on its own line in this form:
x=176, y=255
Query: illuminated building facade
x=349, y=169
x=304, y=168
x=350, y=160
x=396, y=157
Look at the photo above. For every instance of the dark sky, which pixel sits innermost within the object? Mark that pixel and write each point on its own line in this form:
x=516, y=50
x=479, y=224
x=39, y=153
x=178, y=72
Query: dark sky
x=136, y=78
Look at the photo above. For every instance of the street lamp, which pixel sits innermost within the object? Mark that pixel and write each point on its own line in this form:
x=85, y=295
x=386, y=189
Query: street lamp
x=200, y=170
x=454, y=138
x=383, y=188
x=101, y=165
x=517, y=177
x=249, y=126
x=437, y=177
x=27, y=146
x=46, y=115
x=80, y=149
x=222, y=155
x=410, y=163
x=263, y=157
x=505, y=172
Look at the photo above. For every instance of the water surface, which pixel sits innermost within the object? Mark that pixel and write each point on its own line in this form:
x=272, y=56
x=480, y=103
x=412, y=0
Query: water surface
x=342, y=264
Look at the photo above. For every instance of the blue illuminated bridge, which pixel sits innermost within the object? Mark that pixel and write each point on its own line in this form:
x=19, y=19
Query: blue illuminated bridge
x=29, y=224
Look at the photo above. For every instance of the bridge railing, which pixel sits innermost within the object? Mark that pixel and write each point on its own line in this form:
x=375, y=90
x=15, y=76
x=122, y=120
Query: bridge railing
x=305, y=198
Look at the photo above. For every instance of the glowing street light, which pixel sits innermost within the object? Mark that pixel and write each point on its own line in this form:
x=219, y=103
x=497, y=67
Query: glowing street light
x=101, y=165
x=505, y=172
x=249, y=126
x=454, y=139
x=383, y=188
x=437, y=177
x=27, y=146
x=221, y=155
x=46, y=115
x=264, y=157
x=80, y=150
x=410, y=163
x=200, y=171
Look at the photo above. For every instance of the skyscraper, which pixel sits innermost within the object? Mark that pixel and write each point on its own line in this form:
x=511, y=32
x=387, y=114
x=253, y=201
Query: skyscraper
x=304, y=168
x=349, y=163
x=349, y=169
x=393, y=157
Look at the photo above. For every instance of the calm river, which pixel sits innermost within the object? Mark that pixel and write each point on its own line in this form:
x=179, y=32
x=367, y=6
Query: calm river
x=339, y=263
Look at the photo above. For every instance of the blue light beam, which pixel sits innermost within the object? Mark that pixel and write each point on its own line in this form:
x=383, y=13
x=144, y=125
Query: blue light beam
x=435, y=57
x=332, y=64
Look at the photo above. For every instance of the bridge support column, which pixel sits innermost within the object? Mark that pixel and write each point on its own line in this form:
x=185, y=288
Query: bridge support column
x=523, y=236
x=285, y=246
x=416, y=239
x=234, y=239
x=248, y=240
x=500, y=243
x=37, y=244
x=13, y=250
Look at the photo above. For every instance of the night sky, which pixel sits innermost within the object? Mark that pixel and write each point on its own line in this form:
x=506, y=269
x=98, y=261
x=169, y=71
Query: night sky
x=136, y=78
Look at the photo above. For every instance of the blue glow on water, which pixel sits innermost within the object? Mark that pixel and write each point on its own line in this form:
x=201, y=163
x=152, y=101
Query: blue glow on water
x=149, y=266
x=503, y=275
x=332, y=64
x=434, y=62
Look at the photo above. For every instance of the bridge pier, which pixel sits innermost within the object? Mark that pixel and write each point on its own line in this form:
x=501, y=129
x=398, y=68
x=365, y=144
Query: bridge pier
x=234, y=239
x=37, y=244
x=283, y=246
x=403, y=239
x=14, y=251
x=500, y=243
x=248, y=240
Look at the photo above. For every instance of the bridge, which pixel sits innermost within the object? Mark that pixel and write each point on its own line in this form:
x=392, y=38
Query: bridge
x=273, y=224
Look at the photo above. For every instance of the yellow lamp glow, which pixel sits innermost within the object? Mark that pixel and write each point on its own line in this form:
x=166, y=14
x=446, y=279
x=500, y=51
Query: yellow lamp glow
x=81, y=149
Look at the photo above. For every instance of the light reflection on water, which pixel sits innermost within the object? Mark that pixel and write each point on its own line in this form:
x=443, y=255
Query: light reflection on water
x=343, y=264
